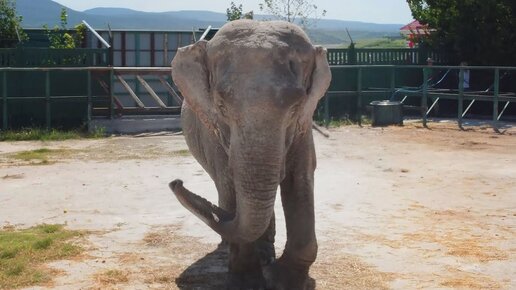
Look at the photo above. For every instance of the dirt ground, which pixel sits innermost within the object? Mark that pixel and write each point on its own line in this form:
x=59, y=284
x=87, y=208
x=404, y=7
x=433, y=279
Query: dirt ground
x=396, y=208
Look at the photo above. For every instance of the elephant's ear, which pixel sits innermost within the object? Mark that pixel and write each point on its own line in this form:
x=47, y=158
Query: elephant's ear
x=320, y=81
x=190, y=74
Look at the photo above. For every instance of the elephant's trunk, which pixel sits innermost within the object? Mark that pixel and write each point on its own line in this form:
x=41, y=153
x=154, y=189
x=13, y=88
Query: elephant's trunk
x=256, y=172
x=256, y=175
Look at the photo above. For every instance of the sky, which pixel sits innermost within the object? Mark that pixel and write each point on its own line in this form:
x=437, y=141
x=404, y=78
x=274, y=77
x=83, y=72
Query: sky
x=376, y=11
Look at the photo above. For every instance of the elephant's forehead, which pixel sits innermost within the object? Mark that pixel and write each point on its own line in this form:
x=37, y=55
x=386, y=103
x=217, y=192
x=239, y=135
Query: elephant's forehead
x=241, y=35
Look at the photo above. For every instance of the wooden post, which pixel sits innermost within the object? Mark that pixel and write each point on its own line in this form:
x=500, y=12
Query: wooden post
x=152, y=50
x=165, y=49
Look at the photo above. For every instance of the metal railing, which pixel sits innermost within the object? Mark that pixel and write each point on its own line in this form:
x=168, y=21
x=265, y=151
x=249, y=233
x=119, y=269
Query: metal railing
x=114, y=105
x=157, y=100
x=383, y=56
x=428, y=89
x=45, y=57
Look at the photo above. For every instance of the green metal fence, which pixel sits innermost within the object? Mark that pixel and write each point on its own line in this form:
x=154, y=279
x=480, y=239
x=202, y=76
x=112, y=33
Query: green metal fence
x=419, y=87
x=45, y=57
x=384, y=56
x=51, y=97
x=67, y=96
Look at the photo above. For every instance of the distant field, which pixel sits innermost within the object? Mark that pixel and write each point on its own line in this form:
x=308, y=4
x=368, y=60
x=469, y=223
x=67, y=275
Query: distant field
x=381, y=43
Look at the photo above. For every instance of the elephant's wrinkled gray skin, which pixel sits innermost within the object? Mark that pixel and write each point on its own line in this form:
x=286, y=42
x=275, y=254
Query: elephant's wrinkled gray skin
x=250, y=94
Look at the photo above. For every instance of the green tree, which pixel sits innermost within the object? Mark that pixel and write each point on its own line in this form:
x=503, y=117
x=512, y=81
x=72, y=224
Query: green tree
x=303, y=12
x=11, y=31
x=60, y=36
x=480, y=32
x=235, y=12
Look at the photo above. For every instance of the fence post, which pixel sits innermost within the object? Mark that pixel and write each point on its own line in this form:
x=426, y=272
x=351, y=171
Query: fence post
x=19, y=57
x=4, y=97
x=495, y=99
x=422, y=55
x=393, y=81
x=111, y=93
x=47, y=99
x=352, y=54
x=460, y=102
x=359, y=96
x=326, y=110
x=424, y=96
x=89, y=106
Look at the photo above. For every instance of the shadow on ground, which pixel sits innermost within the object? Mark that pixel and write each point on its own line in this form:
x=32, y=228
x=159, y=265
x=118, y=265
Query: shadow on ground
x=210, y=272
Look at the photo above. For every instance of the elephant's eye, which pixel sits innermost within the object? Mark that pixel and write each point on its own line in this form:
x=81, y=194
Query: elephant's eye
x=295, y=109
x=222, y=109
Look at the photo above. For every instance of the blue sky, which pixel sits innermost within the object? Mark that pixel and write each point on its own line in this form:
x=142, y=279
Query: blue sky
x=377, y=11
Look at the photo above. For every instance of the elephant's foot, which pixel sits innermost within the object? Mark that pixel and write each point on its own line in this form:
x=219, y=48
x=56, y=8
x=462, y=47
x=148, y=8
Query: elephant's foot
x=245, y=264
x=251, y=280
x=265, y=251
x=282, y=275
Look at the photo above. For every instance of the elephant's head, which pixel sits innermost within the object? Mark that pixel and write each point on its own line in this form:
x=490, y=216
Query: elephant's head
x=256, y=86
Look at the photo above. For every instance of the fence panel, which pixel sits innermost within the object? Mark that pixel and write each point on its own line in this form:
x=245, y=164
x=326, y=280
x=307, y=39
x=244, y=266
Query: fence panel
x=45, y=57
x=384, y=56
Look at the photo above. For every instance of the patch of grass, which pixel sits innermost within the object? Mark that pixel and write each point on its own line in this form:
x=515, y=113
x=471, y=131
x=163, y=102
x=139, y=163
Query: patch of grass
x=23, y=253
x=98, y=132
x=112, y=276
x=38, y=156
x=41, y=156
x=36, y=134
x=182, y=152
x=335, y=123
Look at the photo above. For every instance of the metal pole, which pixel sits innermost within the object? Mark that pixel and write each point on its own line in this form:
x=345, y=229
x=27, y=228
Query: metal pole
x=327, y=110
x=88, y=114
x=111, y=93
x=495, y=99
x=424, y=105
x=393, y=81
x=359, y=95
x=104, y=42
x=460, y=104
x=137, y=61
x=47, y=99
x=4, y=97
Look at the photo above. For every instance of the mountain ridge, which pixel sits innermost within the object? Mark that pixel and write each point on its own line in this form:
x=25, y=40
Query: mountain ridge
x=38, y=13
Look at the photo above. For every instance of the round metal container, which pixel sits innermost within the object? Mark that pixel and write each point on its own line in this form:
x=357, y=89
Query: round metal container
x=385, y=113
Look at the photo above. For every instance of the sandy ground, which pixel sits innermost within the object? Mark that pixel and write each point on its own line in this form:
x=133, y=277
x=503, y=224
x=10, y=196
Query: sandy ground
x=396, y=208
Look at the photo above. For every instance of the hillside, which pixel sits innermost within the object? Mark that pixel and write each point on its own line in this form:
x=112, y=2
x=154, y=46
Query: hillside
x=37, y=13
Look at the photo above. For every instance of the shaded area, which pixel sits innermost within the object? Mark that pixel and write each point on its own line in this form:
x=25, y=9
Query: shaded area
x=209, y=272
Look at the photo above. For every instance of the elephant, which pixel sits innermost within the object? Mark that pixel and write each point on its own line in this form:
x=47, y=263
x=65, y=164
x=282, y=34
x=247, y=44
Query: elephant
x=249, y=97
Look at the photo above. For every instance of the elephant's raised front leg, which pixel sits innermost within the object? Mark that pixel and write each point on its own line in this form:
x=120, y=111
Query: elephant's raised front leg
x=245, y=259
